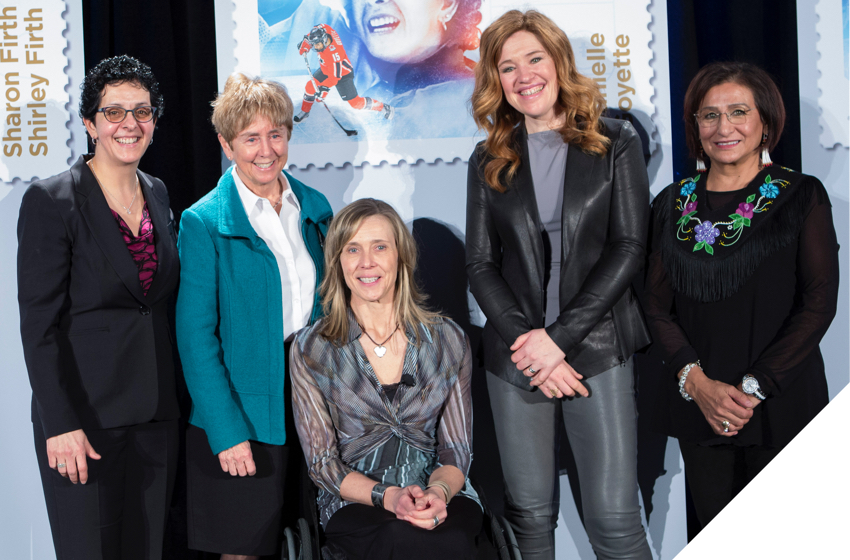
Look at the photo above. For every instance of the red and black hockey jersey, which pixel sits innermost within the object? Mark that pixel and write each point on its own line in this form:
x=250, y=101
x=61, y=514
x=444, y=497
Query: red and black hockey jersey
x=332, y=60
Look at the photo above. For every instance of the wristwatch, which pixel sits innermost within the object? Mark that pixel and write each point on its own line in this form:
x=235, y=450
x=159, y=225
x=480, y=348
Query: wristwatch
x=750, y=385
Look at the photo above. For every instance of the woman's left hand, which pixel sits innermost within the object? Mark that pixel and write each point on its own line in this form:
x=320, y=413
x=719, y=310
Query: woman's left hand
x=416, y=506
x=564, y=381
x=430, y=510
x=536, y=351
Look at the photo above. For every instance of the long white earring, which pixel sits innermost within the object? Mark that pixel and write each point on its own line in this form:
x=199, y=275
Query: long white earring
x=701, y=168
x=765, y=155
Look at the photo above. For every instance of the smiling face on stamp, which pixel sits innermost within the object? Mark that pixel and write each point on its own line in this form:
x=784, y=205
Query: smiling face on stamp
x=401, y=31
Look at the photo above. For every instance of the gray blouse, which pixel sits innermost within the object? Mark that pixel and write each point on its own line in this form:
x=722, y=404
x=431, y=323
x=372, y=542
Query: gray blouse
x=547, y=154
x=347, y=423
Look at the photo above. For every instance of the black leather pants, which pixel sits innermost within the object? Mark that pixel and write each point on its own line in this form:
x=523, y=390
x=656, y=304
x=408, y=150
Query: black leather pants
x=602, y=431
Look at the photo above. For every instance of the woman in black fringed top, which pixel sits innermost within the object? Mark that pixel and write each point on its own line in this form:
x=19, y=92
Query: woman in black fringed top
x=742, y=284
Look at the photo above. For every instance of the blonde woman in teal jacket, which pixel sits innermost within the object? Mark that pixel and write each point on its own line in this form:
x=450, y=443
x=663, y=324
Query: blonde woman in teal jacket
x=251, y=262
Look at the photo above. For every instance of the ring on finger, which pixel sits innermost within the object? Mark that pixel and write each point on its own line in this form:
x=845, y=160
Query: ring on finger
x=554, y=392
x=531, y=370
x=60, y=466
x=725, y=425
x=436, y=521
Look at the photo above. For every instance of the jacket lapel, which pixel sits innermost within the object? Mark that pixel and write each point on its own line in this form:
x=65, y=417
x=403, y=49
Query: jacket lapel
x=579, y=186
x=233, y=221
x=95, y=211
x=165, y=250
x=524, y=187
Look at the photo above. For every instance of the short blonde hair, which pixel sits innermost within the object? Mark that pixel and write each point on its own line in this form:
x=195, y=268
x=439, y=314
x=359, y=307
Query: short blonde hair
x=244, y=99
x=409, y=301
x=579, y=99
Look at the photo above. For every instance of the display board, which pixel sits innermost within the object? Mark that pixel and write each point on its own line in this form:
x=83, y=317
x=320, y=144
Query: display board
x=401, y=54
x=42, y=135
x=34, y=108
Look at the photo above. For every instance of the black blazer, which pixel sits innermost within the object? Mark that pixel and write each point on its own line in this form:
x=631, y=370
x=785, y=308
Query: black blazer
x=97, y=350
x=604, y=225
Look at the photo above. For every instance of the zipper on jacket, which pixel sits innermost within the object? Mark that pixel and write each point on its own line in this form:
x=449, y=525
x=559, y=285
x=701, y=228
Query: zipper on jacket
x=621, y=356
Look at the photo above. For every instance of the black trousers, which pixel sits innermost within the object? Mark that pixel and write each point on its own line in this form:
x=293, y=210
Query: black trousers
x=360, y=531
x=120, y=512
x=716, y=473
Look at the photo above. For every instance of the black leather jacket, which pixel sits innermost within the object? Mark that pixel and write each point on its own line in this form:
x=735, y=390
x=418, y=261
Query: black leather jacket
x=604, y=225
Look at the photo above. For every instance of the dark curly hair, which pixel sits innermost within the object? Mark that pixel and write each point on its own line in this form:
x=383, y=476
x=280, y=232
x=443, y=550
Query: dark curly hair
x=114, y=71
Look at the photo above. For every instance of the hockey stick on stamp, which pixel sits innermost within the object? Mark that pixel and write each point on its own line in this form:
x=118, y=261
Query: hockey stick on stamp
x=320, y=100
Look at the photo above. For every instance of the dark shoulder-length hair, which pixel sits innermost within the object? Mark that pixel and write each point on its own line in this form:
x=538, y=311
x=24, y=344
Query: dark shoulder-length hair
x=579, y=99
x=112, y=72
x=409, y=301
x=765, y=94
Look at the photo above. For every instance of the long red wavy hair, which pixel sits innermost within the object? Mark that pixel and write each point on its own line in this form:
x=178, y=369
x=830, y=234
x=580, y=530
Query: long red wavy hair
x=579, y=99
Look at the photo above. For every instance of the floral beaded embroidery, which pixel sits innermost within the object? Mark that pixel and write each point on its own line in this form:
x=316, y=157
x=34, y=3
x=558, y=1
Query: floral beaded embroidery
x=705, y=233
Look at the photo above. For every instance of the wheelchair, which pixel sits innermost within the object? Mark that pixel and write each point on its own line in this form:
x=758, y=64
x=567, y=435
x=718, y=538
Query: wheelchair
x=305, y=540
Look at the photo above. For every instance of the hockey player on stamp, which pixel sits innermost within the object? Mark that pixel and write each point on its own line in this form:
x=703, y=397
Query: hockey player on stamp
x=335, y=70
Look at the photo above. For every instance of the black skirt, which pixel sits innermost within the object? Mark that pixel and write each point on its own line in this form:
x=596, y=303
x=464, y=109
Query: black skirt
x=232, y=514
x=358, y=531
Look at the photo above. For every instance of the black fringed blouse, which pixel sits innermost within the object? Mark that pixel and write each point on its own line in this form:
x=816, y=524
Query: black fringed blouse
x=747, y=282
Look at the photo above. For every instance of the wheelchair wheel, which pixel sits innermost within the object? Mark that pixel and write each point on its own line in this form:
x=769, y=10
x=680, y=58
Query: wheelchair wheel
x=498, y=537
x=306, y=552
x=511, y=545
x=289, y=545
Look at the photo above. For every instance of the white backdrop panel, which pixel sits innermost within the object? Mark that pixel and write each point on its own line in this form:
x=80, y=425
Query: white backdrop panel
x=24, y=530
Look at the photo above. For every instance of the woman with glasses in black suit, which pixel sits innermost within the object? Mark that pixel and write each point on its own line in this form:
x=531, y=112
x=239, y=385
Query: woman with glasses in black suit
x=97, y=265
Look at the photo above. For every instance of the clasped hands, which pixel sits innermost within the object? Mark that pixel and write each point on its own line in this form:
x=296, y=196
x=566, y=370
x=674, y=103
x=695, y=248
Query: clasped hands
x=720, y=402
x=538, y=357
x=416, y=506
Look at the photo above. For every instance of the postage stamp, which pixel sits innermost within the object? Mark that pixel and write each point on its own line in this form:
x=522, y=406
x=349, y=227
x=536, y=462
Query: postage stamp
x=834, y=68
x=391, y=81
x=33, y=112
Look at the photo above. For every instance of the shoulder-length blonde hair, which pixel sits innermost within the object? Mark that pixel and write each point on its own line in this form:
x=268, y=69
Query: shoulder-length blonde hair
x=408, y=300
x=579, y=99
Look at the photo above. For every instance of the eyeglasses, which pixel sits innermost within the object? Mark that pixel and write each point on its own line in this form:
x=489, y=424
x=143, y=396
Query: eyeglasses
x=118, y=114
x=709, y=118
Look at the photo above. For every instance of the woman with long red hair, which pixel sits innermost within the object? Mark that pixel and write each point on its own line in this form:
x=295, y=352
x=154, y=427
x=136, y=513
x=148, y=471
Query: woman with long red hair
x=557, y=210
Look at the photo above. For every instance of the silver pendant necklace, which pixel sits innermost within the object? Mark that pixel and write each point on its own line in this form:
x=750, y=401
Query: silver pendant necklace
x=380, y=349
x=128, y=209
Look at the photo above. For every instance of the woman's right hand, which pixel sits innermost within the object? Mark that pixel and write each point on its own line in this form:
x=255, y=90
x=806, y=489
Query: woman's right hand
x=564, y=381
x=401, y=501
x=67, y=454
x=238, y=460
x=719, y=401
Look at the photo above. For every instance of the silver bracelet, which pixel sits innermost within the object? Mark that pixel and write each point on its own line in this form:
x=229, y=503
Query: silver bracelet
x=444, y=487
x=685, y=371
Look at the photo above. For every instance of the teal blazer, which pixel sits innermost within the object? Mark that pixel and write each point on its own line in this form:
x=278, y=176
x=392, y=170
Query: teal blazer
x=229, y=318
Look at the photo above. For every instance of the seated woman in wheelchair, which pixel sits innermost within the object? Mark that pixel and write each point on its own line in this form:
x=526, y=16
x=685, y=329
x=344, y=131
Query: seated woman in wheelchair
x=382, y=402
